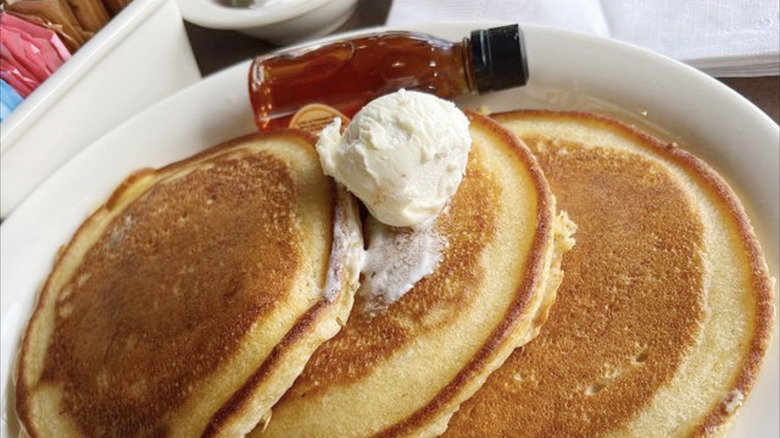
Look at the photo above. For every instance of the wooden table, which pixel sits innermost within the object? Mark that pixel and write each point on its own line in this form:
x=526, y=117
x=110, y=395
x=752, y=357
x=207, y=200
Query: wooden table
x=215, y=50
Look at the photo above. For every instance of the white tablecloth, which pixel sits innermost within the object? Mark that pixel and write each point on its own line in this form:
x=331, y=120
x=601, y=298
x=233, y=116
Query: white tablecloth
x=721, y=37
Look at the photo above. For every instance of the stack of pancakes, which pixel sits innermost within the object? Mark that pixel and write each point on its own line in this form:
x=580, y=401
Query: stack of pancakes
x=405, y=370
x=190, y=301
x=667, y=307
x=208, y=298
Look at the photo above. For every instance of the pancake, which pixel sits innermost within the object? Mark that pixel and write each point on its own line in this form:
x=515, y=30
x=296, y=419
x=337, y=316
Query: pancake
x=188, y=303
x=401, y=368
x=666, y=311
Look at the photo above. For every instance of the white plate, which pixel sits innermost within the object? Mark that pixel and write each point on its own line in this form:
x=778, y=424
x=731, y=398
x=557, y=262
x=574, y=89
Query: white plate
x=567, y=71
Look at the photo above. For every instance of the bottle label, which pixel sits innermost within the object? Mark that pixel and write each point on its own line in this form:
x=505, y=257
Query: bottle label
x=315, y=116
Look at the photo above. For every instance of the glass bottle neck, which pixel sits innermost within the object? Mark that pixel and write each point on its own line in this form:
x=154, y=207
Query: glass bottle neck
x=468, y=66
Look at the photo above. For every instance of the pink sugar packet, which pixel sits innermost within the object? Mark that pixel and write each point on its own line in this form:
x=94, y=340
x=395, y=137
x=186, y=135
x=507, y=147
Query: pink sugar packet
x=22, y=82
x=34, y=30
x=24, y=56
x=29, y=53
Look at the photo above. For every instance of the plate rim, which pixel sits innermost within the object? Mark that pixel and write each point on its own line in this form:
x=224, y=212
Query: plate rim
x=10, y=224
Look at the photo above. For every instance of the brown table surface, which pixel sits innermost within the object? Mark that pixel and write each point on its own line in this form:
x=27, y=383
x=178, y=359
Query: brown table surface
x=216, y=49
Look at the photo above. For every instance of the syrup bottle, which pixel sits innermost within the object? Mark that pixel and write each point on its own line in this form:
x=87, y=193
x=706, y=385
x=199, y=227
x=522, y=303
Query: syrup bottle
x=345, y=75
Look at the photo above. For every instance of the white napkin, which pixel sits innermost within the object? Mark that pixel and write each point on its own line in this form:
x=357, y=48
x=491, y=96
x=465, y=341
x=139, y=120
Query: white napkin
x=721, y=37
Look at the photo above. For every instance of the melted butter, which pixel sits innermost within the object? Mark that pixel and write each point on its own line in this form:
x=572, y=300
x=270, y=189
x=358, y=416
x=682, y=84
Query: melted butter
x=396, y=259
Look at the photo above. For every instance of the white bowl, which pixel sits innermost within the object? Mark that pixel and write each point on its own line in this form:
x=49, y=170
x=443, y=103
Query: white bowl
x=281, y=23
x=141, y=56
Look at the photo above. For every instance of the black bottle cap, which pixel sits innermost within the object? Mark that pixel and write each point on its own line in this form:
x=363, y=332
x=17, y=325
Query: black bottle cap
x=498, y=58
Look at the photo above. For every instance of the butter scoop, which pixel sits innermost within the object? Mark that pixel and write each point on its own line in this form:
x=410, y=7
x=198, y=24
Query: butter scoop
x=403, y=154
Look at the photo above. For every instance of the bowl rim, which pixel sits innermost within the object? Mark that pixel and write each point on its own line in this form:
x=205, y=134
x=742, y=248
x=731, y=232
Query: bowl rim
x=212, y=14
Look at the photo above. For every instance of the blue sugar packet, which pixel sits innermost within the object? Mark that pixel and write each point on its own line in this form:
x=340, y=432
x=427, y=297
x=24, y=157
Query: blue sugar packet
x=9, y=99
